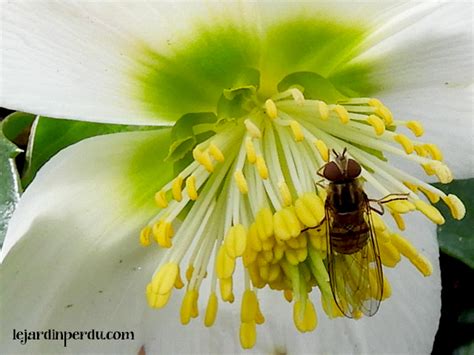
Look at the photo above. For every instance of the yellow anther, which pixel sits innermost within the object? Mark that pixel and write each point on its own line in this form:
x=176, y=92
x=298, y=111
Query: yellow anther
x=178, y=282
x=389, y=254
x=145, y=236
x=377, y=123
x=387, y=289
x=259, y=319
x=383, y=236
x=252, y=129
x=177, y=187
x=274, y=272
x=310, y=209
x=411, y=186
x=285, y=193
x=216, y=153
x=264, y=223
x=286, y=224
x=292, y=256
x=268, y=243
x=429, y=211
x=254, y=241
x=385, y=113
x=189, y=272
x=288, y=295
x=458, y=210
x=241, y=182
x=322, y=149
x=188, y=306
x=317, y=238
x=271, y=109
x=442, y=171
x=401, y=206
x=296, y=129
x=434, y=151
x=225, y=265
x=266, y=256
x=250, y=255
x=226, y=290
x=330, y=307
x=427, y=167
x=160, y=199
x=163, y=231
x=156, y=300
x=378, y=222
x=301, y=254
x=410, y=252
x=211, y=310
x=264, y=271
x=398, y=220
x=374, y=102
x=248, y=310
x=357, y=314
x=278, y=252
x=261, y=167
x=191, y=187
x=304, y=316
x=236, y=241
x=405, y=142
x=248, y=334
x=323, y=110
x=434, y=198
x=204, y=159
x=421, y=151
x=165, y=278
x=250, y=150
x=342, y=113
x=416, y=127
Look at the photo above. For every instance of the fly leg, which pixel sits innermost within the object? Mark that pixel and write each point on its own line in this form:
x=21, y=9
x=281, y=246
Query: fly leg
x=386, y=199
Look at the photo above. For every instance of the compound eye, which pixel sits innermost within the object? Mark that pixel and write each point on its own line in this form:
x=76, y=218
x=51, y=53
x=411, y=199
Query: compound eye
x=353, y=169
x=332, y=172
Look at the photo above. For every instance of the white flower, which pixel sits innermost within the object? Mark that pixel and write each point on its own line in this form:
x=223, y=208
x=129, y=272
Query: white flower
x=280, y=83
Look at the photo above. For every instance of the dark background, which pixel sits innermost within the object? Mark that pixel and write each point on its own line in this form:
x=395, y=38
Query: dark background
x=457, y=296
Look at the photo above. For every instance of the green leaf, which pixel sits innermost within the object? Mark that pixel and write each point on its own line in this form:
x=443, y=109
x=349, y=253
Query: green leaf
x=10, y=186
x=314, y=86
x=456, y=237
x=467, y=349
x=187, y=132
x=49, y=136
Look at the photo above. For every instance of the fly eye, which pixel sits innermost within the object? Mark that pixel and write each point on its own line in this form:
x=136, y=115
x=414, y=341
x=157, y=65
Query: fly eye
x=332, y=172
x=353, y=169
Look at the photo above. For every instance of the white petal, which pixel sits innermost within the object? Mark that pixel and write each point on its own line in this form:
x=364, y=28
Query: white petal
x=76, y=263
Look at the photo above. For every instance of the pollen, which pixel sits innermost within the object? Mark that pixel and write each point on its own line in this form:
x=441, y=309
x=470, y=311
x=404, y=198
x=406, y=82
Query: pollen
x=377, y=124
x=241, y=182
x=322, y=149
x=342, y=113
x=457, y=208
x=211, y=310
x=271, y=109
x=434, y=151
x=160, y=199
x=297, y=132
x=145, y=236
x=285, y=193
x=416, y=127
x=398, y=220
x=204, y=159
x=191, y=187
x=250, y=150
x=216, y=153
x=410, y=252
x=236, y=241
x=385, y=113
x=261, y=167
x=176, y=188
x=304, y=316
x=163, y=281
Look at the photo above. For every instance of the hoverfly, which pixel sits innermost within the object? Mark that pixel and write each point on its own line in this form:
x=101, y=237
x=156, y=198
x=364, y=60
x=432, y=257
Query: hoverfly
x=354, y=265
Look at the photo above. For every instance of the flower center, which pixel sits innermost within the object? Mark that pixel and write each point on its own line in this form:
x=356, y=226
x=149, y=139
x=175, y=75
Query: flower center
x=252, y=196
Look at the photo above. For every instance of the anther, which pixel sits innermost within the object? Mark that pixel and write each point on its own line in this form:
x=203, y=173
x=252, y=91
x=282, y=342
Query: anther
x=323, y=110
x=204, y=159
x=191, y=187
x=176, y=188
x=322, y=149
x=160, y=199
x=434, y=151
x=416, y=127
x=145, y=236
x=250, y=150
x=385, y=113
x=211, y=310
x=377, y=123
x=297, y=132
x=342, y=113
x=429, y=211
x=457, y=208
x=297, y=95
x=216, y=153
x=410, y=252
x=271, y=109
x=405, y=142
x=261, y=167
x=241, y=182
x=285, y=193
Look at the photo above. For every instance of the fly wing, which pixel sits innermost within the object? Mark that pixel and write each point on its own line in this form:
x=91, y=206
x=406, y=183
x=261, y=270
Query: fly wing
x=356, y=279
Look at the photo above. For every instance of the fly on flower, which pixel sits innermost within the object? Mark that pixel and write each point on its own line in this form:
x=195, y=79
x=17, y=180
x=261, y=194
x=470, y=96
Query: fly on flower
x=353, y=257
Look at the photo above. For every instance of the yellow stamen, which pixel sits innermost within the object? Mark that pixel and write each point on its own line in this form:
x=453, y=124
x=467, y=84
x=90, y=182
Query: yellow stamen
x=264, y=223
x=288, y=295
x=241, y=182
x=191, y=187
x=285, y=193
x=323, y=110
x=297, y=132
x=248, y=334
x=226, y=290
x=434, y=151
x=216, y=153
x=401, y=206
x=441, y=170
x=389, y=254
x=304, y=317
x=145, y=239
x=458, y=210
x=248, y=310
x=286, y=224
x=342, y=113
x=322, y=149
x=410, y=252
x=189, y=272
x=204, y=159
x=310, y=209
x=429, y=211
x=411, y=186
x=211, y=310
x=250, y=150
x=163, y=231
x=387, y=289
x=189, y=306
x=434, y=198
x=177, y=187
x=156, y=300
x=421, y=151
x=225, y=265
x=416, y=127
x=261, y=167
x=160, y=199
x=236, y=241
x=179, y=282
x=385, y=113
x=374, y=103
x=252, y=128
x=405, y=142
x=271, y=109
x=377, y=123
x=398, y=220
x=297, y=95
x=165, y=278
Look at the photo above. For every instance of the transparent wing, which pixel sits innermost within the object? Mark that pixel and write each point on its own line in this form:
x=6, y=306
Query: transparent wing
x=355, y=276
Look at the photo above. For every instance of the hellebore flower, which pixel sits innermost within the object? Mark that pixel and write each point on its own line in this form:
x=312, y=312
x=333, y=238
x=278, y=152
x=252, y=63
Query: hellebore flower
x=257, y=94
